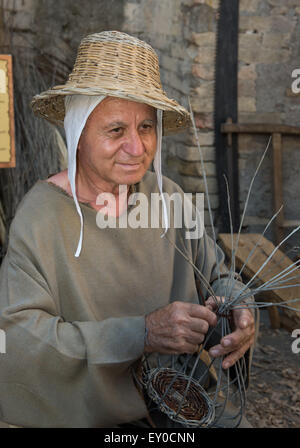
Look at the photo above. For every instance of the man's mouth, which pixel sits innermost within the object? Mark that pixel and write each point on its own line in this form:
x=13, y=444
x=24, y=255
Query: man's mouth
x=130, y=166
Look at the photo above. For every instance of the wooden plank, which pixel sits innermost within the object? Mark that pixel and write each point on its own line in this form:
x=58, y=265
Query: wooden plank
x=259, y=128
x=277, y=264
x=274, y=317
x=287, y=223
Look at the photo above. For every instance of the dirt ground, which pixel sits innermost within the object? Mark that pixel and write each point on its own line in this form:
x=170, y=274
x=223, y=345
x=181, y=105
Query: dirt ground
x=274, y=391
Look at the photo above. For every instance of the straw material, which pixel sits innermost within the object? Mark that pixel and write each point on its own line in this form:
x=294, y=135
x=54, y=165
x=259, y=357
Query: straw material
x=114, y=64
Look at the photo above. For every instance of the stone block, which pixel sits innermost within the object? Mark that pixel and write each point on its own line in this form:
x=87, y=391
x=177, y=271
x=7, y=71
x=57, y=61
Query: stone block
x=158, y=19
x=247, y=72
x=249, y=40
x=249, y=5
x=202, y=104
x=260, y=117
x=169, y=63
x=179, y=50
x=191, y=153
x=151, y=17
x=263, y=24
x=194, y=169
x=23, y=15
x=204, y=39
x=280, y=10
x=212, y=3
x=276, y=40
x=250, y=55
x=204, y=121
x=289, y=3
x=205, y=138
x=205, y=90
x=23, y=5
x=282, y=24
x=203, y=71
x=205, y=55
x=196, y=185
x=176, y=82
x=133, y=20
x=262, y=55
x=254, y=24
x=246, y=87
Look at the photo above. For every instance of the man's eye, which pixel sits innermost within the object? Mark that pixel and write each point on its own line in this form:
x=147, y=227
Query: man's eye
x=116, y=130
x=147, y=127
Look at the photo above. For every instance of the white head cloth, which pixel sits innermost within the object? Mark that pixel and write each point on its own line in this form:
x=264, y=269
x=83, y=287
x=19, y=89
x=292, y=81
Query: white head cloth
x=77, y=110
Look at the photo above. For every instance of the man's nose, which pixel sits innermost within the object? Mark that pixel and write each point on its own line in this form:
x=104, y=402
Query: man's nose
x=134, y=144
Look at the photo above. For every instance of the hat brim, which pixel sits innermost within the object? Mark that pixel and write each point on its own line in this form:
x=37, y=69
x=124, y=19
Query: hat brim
x=51, y=105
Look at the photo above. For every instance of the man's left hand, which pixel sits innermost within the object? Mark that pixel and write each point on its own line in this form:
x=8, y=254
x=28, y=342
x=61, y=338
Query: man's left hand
x=239, y=341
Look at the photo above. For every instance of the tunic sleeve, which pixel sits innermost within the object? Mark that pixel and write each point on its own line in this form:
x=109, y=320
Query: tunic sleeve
x=62, y=374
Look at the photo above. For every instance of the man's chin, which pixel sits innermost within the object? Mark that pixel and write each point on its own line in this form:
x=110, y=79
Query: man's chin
x=132, y=177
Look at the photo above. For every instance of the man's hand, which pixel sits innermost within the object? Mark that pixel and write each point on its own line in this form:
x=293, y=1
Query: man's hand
x=239, y=341
x=178, y=328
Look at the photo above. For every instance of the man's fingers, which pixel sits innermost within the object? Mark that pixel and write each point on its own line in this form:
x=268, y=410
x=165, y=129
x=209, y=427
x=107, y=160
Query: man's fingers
x=237, y=338
x=213, y=302
x=243, y=318
x=199, y=325
x=203, y=312
x=234, y=345
x=232, y=356
x=233, y=341
x=178, y=328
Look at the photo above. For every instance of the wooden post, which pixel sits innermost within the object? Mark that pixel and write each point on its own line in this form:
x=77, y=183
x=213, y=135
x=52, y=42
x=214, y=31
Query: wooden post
x=225, y=106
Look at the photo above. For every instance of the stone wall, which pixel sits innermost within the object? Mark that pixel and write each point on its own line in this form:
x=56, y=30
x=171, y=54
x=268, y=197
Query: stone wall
x=184, y=34
x=268, y=53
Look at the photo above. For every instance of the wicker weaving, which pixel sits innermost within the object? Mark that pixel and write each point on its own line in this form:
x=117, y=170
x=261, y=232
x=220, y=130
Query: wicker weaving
x=180, y=397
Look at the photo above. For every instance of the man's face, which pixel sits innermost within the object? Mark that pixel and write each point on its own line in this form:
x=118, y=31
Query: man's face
x=118, y=142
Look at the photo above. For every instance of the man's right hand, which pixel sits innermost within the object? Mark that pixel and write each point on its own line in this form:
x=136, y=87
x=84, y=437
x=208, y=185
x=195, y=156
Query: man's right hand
x=178, y=328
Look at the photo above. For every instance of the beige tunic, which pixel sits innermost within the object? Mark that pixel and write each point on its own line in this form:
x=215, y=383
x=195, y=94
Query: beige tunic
x=74, y=326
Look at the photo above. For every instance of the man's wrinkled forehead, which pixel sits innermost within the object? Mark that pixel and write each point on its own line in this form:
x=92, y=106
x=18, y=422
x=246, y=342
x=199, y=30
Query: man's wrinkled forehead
x=111, y=107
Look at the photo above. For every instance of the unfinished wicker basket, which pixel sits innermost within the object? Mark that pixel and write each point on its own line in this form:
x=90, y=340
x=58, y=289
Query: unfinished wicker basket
x=114, y=64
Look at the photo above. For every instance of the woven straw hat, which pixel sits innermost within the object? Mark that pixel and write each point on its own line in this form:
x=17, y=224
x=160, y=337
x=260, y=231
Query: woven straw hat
x=114, y=64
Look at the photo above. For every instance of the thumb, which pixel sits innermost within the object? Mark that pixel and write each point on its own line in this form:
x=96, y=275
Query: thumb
x=241, y=318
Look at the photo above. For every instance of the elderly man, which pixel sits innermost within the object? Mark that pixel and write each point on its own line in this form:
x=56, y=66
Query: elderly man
x=78, y=318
